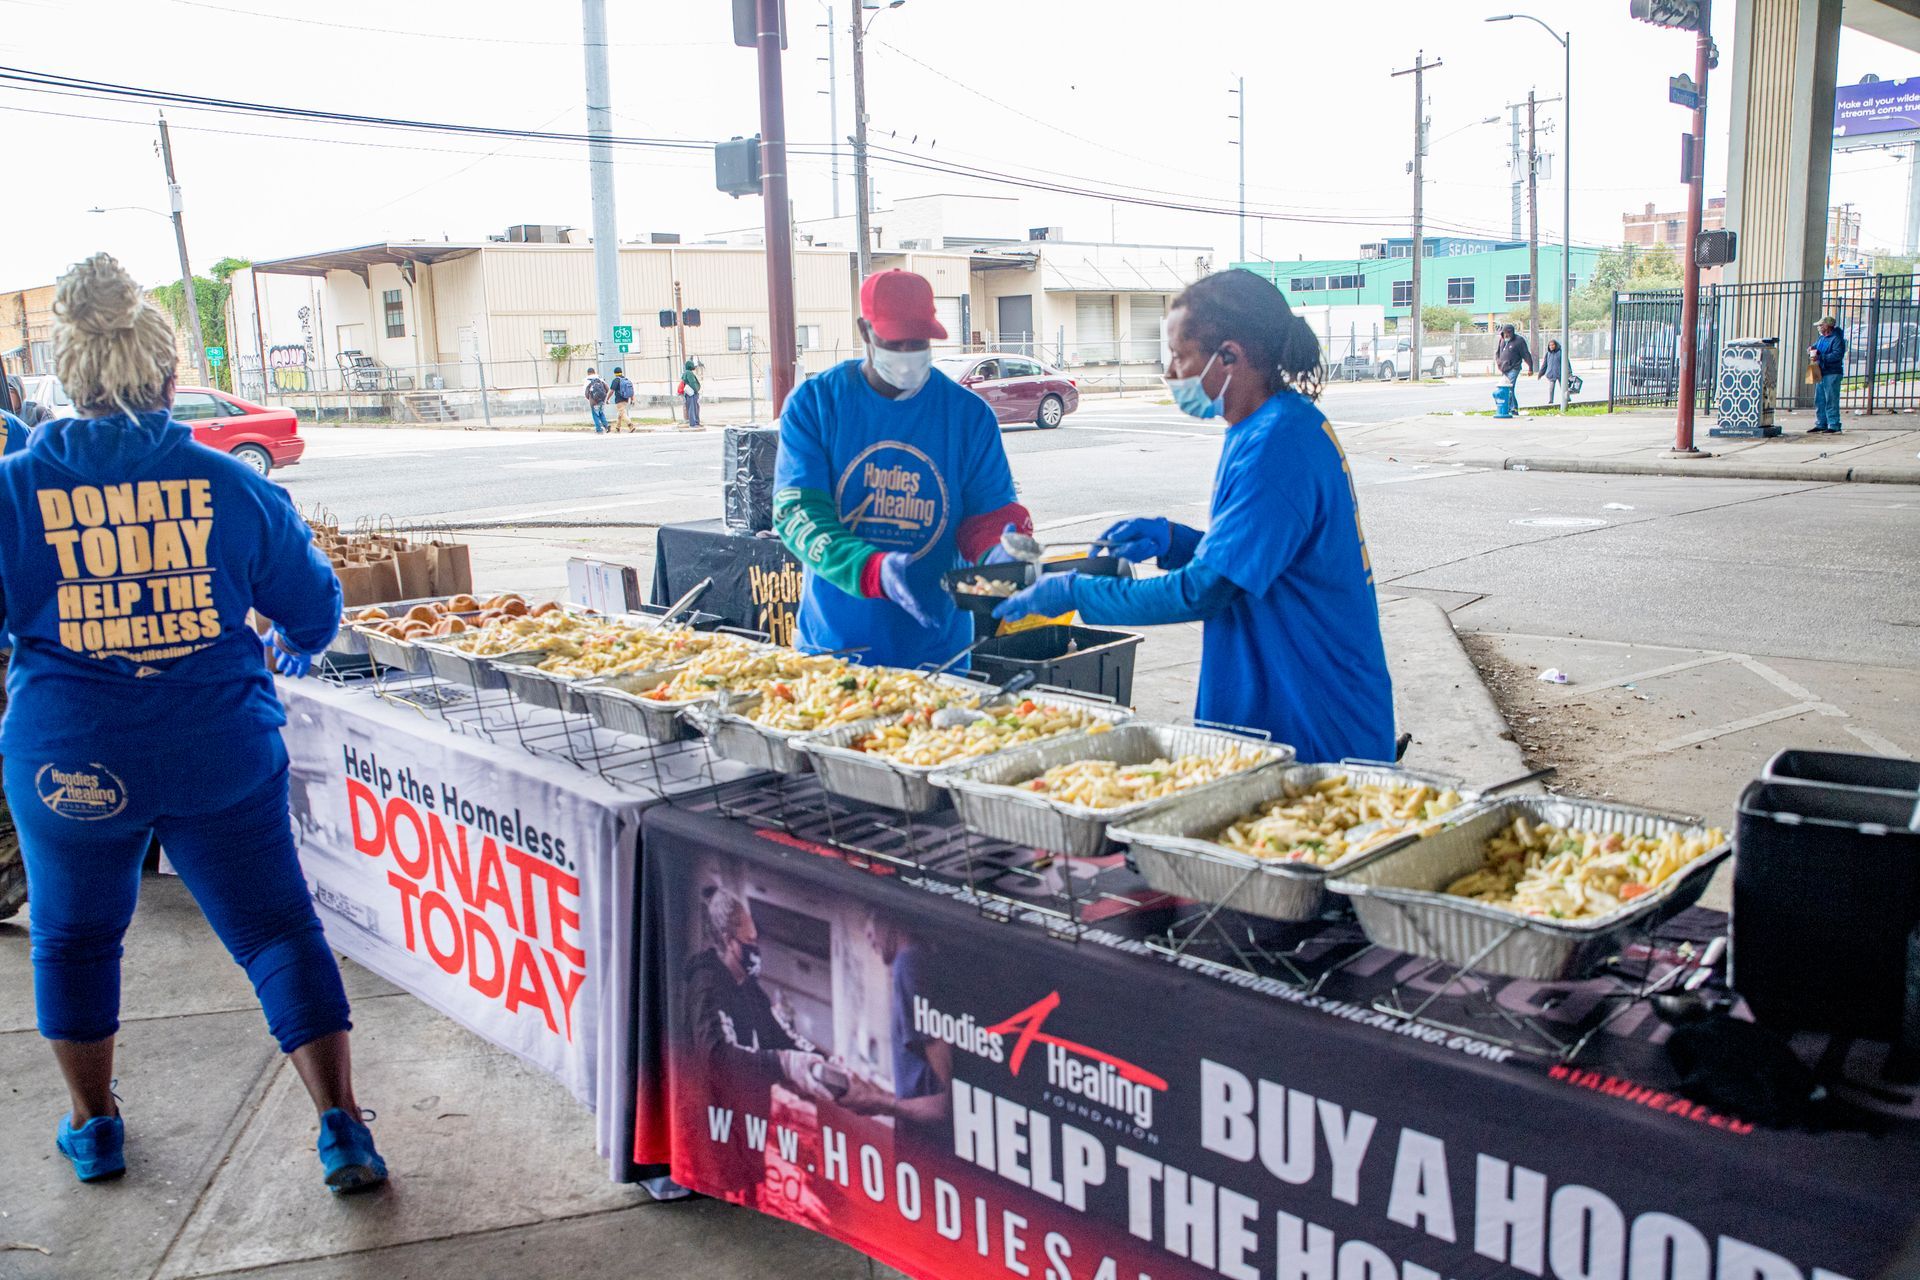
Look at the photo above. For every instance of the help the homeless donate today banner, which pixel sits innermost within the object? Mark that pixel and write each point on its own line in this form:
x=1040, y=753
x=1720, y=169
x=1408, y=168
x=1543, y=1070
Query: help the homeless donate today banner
x=960, y=1099
x=467, y=882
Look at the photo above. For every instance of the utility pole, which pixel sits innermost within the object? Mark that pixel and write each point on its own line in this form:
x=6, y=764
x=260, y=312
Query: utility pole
x=186, y=270
x=1418, y=71
x=1911, y=245
x=833, y=103
x=1241, y=115
x=1690, y=282
x=1533, y=237
x=606, y=234
x=777, y=212
x=1514, y=167
x=862, y=193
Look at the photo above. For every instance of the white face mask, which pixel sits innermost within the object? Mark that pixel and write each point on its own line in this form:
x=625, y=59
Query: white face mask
x=906, y=371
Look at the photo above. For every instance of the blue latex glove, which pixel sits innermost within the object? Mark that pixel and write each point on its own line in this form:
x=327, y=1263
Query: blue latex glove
x=922, y=603
x=1140, y=539
x=998, y=554
x=1048, y=598
x=287, y=660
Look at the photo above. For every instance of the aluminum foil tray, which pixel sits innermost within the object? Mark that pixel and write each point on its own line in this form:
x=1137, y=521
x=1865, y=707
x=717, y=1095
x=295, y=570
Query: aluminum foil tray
x=529, y=684
x=402, y=655
x=1400, y=904
x=727, y=722
x=906, y=787
x=614, y=702
x=992, y=804
x=1174, y=849
x=351, y=641
x=457, y=666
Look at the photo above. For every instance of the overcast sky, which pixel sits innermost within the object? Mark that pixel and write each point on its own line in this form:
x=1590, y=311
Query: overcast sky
x=1082, y=91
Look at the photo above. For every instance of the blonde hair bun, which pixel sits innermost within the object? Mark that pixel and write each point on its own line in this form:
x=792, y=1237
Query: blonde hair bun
x=99, y=297
x=113, y=349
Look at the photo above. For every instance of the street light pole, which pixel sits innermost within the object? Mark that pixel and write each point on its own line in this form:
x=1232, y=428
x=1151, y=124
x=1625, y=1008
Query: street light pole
x=186, y=271
x=1240, y=96
x=777, y=211
x=606, y=235
x=862, y=193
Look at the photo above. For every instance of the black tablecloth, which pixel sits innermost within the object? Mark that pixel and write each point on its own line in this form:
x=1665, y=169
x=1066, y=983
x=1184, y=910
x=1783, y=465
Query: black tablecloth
x=1103, y=1103
x=756, y=581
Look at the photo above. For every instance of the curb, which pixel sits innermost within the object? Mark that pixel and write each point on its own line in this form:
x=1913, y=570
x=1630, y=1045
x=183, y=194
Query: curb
x=1439, y=698
x=1813, y=472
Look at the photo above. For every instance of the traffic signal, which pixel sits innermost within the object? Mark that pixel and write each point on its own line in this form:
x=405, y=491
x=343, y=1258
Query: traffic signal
x=691, y=317
x=736, y=166
x=1715, y=248
x=666, y=318
x=746, y=23
x=1680, y=15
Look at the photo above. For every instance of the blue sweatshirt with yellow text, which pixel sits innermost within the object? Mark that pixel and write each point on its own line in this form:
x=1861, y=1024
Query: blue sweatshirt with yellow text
x=129, y=557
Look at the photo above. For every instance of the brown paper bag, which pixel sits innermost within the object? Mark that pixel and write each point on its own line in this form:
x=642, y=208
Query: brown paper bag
x=356, y=585
x=415, y=565
x=386, y=580
x=452, y=569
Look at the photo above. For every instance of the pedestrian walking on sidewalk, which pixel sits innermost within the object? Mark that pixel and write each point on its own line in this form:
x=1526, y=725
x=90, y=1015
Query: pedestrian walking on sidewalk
x=1553, y=367
x=622, y=400
x=1829, y=353
x=1508, y=357
x=690, y=389
x=155, y=715
x=597, y=392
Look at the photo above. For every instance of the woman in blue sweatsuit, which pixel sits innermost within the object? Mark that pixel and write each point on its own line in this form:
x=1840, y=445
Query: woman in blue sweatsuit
x=140, y=705
x=1280, y=578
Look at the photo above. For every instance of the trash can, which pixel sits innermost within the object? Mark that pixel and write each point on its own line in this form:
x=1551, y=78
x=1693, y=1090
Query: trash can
x=1504, y=402
x=1743, y=400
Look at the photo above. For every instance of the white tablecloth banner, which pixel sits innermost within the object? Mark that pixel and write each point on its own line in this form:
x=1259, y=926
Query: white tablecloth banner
x=493, y=884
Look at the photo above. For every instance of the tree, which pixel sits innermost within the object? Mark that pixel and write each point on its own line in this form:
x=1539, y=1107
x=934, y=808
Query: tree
x=1520, y=318
x=211, y=295
x=1438, y=319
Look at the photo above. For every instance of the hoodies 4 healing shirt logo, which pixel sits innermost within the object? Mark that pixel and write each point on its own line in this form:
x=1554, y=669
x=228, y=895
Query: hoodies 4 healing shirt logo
x=893, y=495
x=85, y=793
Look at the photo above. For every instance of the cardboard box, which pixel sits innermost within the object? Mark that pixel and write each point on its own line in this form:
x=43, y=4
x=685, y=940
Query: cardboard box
x=603, y=586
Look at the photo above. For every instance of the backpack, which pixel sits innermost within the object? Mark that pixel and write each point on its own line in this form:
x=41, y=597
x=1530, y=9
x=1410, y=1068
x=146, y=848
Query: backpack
x=596, y=391
x=622, y=389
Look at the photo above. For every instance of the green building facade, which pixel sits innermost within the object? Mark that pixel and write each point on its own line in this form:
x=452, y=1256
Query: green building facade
x=1485, y=277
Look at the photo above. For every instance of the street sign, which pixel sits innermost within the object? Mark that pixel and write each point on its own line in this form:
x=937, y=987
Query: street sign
x=623, y=333
x=1683, y=92
x=216, y=355
x=623, y=347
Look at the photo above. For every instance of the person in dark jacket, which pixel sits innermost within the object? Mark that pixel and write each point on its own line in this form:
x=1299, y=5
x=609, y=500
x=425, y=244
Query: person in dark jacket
x=1553, y=367
x=742, y=1047
x=1509, y=356
x=690, y=388
x=622, y=401
x=1829, y=352
x=139, y=705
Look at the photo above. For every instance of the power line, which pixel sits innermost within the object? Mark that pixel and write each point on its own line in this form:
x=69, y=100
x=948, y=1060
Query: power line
x=359, y=29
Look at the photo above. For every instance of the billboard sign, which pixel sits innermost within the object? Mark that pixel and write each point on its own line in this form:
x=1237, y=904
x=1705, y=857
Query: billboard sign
x=1885, y=106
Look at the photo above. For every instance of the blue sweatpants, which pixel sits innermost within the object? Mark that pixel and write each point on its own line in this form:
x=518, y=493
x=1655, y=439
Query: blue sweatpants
x=85, y=817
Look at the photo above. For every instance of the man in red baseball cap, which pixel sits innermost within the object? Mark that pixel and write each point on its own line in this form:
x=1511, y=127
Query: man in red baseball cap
x=890, y=474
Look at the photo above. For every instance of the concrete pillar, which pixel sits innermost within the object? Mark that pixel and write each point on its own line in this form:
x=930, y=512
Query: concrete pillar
x=1779, y=162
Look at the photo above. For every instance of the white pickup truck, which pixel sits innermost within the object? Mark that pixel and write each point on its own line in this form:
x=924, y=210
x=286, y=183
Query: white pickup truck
x=1393, y=358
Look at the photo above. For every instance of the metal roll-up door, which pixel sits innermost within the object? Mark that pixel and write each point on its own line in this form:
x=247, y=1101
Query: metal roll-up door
x=947, y=312
x=1145, y=314
x=1093, y=324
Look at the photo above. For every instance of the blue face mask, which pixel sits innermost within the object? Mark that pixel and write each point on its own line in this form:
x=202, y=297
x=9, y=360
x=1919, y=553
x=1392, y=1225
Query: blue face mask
x=1191, y=398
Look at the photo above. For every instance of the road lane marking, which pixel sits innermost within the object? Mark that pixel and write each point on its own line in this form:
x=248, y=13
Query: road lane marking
x=1878, y=743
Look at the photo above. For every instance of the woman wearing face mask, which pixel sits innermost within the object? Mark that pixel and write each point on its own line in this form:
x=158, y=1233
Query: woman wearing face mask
x=1280, y=577
x=890, y=474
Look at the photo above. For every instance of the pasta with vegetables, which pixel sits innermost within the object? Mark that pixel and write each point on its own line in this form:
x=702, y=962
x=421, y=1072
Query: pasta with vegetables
x=1567, y=874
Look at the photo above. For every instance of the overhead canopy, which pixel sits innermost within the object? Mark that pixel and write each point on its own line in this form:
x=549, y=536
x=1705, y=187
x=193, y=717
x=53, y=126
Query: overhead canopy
x=358, y=260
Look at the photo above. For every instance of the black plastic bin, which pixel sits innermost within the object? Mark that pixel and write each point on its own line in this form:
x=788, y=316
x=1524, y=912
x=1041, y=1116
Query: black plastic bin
x=1084, y=659
x=1844, y=769
x=1826, y=893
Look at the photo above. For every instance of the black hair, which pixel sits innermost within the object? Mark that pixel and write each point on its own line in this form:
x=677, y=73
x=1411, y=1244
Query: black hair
x=1245, y=308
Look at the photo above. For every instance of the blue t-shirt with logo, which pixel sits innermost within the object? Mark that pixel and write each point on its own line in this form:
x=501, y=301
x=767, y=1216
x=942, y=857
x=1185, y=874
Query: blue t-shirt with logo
x=1298, y=653
x=16, y=432
x=903, y=474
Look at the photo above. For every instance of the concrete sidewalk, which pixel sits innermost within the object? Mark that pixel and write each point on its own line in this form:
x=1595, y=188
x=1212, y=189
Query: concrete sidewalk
x=1882, y=448
x=495, y=1176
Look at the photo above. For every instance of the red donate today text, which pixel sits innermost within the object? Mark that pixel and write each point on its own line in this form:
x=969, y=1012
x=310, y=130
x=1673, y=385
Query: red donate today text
x=506, y=921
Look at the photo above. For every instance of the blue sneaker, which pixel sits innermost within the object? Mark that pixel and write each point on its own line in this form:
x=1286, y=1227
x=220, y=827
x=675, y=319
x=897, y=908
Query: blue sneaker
x=97, y=1148
x=347, y=1154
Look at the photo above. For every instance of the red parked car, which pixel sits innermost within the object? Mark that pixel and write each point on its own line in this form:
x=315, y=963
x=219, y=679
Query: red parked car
x=260, y=437
x=1019, y=388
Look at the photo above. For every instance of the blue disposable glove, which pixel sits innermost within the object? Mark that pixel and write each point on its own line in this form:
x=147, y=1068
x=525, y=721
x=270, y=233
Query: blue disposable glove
x=287, y=660
x=1048, y=598
x=999, y=554
x=925, y=604
x=1140, y=539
